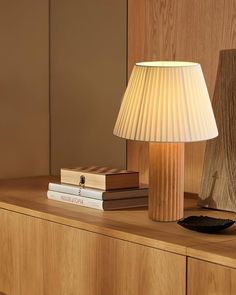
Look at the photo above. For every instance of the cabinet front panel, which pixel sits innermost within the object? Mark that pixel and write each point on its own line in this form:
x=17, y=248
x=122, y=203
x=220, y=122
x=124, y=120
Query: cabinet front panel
x=207, y=278
x=44, y=258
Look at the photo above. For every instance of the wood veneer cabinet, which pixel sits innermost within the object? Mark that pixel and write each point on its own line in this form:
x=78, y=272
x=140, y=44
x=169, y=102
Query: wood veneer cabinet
x=43, y=257
x=209, y=278
x=49, y=247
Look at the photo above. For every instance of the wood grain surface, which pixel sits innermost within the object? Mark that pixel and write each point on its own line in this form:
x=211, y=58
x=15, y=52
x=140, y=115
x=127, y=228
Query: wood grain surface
x=221, y=253
x=50, y=247
x=179, y=30
x=166, y=179
x=39, y=257
x=207, y=278
x=28, y=197
x=218, y=186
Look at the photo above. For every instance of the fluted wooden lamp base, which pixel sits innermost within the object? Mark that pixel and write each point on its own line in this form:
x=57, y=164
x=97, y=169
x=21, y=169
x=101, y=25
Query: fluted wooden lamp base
x=166, y=181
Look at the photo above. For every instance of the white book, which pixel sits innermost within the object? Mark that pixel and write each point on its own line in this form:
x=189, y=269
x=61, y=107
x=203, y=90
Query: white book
x=98, y=204
x=98, y=194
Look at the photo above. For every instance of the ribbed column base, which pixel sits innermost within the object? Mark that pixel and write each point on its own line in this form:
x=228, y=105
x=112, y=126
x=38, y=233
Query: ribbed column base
x=166, y=181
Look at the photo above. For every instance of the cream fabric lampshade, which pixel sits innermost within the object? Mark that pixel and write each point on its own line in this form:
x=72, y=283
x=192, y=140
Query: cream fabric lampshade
x=166, y=102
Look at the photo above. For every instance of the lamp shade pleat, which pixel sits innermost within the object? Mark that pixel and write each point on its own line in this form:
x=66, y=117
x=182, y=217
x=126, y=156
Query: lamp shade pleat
x=166, y=102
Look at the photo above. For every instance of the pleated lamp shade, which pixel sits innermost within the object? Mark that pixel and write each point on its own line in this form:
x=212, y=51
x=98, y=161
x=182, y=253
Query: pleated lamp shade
x=166, y=102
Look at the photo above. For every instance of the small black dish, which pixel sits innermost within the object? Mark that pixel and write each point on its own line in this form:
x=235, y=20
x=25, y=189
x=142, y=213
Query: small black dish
x=205, y=224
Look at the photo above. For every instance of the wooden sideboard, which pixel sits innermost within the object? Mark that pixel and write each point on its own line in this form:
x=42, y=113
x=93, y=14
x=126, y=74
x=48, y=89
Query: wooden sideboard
x=49, y=247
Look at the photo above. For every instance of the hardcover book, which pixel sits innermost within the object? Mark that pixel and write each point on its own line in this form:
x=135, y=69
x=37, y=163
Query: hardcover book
x=100, y=177
x=98, y=204
x=97, y=193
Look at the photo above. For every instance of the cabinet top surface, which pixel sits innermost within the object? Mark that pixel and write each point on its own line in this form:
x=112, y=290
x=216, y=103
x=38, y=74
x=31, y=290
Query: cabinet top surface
x=29, y=196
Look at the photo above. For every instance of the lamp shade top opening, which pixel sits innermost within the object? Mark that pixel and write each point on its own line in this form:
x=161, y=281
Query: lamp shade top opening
x=166, y=64
x=166, y=101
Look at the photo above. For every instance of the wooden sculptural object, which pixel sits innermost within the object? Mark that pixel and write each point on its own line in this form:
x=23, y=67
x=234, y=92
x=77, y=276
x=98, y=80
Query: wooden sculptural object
x=218, y=185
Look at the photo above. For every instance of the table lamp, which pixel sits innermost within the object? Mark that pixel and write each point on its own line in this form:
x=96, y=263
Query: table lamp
x=166, y=103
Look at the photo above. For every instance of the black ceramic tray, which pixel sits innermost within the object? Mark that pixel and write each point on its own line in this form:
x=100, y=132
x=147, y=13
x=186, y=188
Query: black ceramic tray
x=205, y=224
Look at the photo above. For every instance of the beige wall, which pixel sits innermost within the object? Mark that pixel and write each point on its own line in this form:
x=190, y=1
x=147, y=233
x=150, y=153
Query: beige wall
x=24, y=114
x=88, y=78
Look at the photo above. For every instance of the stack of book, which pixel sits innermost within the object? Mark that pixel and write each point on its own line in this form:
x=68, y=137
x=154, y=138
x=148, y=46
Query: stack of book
x=100, y=188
